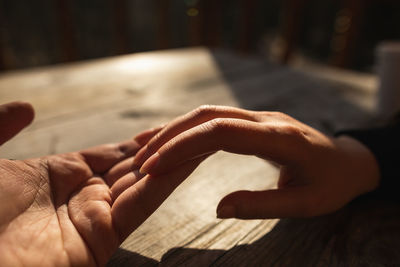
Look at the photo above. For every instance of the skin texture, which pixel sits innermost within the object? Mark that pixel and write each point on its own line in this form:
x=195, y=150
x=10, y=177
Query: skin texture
x=319, y=174
x=74, y=209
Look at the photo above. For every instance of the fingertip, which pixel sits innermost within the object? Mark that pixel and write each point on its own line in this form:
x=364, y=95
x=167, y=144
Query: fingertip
x=228, y=205
x=151, y=164
x=145, y=136
x=14, y=117
x=28, y=109
x=268, y=204
x=20, y=110
x=226, y=211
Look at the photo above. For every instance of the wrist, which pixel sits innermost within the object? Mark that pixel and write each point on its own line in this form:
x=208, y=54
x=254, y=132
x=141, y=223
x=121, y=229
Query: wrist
x=363, y=168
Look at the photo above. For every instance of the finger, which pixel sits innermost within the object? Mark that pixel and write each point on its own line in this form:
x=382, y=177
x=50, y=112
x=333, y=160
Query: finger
x=280, y=203
x=124, y=183
x=188, y=121
x=119, y=170
x=138, y=202
x=145, y=136
x=231, y=135
x=103, y=157
x=14, y=117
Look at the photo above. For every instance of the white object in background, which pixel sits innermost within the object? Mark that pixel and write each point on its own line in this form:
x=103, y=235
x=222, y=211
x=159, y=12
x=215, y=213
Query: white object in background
x=388, y=59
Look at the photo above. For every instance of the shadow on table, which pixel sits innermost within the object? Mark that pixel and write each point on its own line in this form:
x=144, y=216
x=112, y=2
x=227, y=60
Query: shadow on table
x=366, y=232
x=260, y=85
x=123, y=257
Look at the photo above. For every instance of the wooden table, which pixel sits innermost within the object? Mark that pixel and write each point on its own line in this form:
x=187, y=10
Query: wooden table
x=107, y=100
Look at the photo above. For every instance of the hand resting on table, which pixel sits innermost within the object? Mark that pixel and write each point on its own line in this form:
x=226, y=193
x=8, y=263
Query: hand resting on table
x=318, y=174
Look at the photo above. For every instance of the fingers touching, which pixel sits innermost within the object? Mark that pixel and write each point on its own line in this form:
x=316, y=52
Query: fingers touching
x=14, y=117
x=127, y=180
x=119, y=170
x=137, y=200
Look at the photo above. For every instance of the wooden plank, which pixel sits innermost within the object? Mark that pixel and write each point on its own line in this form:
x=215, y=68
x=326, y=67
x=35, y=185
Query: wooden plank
x=199, y=195
x=85, y=104
x=89, y=99
x=57, y=90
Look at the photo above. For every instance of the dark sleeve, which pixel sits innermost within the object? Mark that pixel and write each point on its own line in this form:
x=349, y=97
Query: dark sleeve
x=384, y=142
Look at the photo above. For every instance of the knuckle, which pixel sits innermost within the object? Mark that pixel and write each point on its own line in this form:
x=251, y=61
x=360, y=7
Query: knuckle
x=274, y=115
x=293, y=130
x=204, y=110
x=216, y=126
x=281, y=115
x=295, y=133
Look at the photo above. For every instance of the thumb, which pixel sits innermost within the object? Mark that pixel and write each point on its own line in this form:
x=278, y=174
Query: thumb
x=276, y=203
x=14, y=117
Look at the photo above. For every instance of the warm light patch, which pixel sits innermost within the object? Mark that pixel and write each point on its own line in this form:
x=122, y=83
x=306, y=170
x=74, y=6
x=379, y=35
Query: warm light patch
x=192, y=12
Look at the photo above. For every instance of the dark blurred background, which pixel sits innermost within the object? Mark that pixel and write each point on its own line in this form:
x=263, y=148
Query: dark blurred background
x=340, y=33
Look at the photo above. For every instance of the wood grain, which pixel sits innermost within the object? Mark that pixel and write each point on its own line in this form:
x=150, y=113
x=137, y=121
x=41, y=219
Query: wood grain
x=89, y=103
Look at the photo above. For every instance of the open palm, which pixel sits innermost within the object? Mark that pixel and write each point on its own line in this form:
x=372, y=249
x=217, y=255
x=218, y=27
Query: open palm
x=73, y=209
x=62, y=207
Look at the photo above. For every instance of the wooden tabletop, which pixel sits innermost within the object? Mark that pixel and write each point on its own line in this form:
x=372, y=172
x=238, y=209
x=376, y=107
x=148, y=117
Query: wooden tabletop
x=108, y=100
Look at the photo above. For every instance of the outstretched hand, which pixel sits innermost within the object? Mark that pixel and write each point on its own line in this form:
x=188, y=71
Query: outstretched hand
x=75, y=208
x=319, y=174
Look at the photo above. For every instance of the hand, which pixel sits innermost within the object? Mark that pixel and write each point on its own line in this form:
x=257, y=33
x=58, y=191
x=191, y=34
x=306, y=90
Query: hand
x=318, y=174
x=75, y=208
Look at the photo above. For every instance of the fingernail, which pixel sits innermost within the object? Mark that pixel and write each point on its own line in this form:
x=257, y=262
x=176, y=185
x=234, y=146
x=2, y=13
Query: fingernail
x=226, y=212
x=150, y=164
